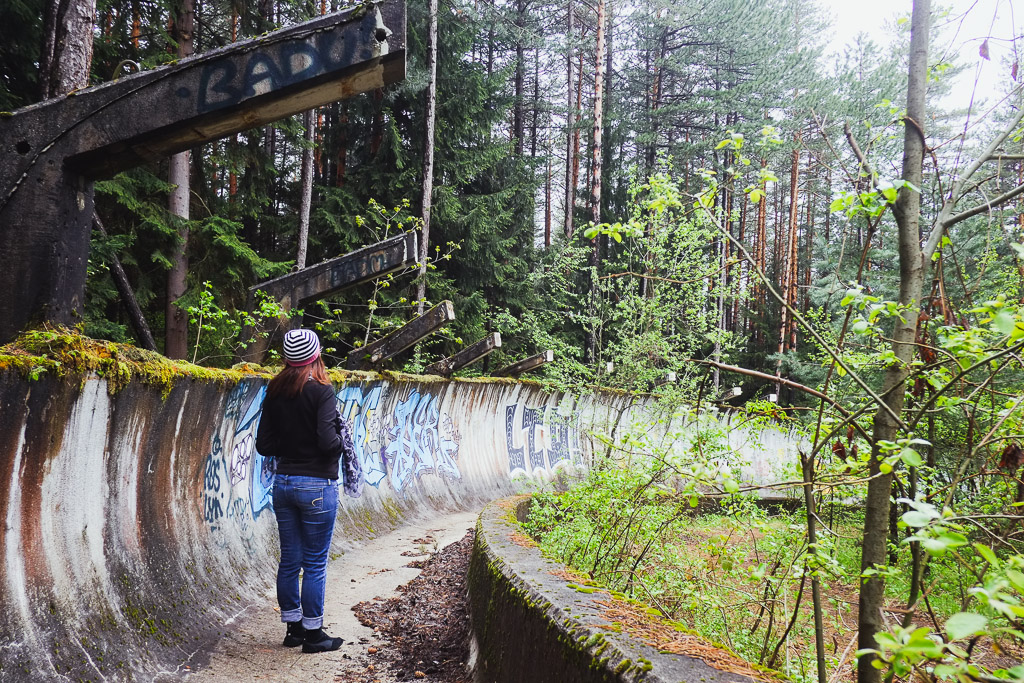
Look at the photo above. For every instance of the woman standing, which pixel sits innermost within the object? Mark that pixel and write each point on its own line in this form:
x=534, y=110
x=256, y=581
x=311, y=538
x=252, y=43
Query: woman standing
x=302, y=429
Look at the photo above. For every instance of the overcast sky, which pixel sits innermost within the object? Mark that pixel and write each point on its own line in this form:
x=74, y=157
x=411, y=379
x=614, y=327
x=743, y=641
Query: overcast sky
x=962, y=32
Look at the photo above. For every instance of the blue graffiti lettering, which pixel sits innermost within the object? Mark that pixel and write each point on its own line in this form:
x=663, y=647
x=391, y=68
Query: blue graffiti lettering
x=516, y=459
x=417, y=444
x=533, y=419
x=542, y=439
x=361, y=410
x=221, y=84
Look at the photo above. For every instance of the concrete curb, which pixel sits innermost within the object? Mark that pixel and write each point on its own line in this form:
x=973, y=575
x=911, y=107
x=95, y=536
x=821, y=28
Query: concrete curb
x=558, y=629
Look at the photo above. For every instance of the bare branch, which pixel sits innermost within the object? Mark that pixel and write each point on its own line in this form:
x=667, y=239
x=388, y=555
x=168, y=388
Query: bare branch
x=946, y=217
x=987, y=206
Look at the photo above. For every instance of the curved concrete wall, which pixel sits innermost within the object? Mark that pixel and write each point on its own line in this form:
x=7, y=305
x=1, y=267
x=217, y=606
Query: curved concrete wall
x=137, y=524
x=563, y=634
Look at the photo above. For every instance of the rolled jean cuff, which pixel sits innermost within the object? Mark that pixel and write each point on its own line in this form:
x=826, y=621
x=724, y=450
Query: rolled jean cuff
x=311, y=624
x=291, y=616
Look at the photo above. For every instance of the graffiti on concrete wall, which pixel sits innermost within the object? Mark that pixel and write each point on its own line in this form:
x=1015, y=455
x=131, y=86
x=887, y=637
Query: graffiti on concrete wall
x=538, y=439
x=414, y=439
x=214, y=486
x=421, y=441
x=361, y=408
x=237, y=480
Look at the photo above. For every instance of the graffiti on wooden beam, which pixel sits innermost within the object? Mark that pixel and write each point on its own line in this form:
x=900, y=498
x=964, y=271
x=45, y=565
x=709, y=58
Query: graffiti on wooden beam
x=222, y=85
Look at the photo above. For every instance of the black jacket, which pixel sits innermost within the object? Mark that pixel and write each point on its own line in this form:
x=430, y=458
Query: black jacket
x=303, y=433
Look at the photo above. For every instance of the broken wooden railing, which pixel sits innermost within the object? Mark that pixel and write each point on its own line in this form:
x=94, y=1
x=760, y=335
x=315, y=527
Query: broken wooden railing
x=303, y=287
x=526, y=365
x=466, y=356
x=375, y=353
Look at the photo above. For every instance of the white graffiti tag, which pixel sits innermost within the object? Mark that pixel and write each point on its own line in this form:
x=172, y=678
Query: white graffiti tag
x=417, y=444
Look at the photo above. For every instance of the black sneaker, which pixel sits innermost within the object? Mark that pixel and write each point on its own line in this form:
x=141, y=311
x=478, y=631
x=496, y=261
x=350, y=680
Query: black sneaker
x=295, y=635
x=318, y=641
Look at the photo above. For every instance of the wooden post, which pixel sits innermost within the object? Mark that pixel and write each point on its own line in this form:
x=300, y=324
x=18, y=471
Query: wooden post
x=413, y=331
x=466, y=356
x=52, y=152
x=305, y=286
x=526, y=365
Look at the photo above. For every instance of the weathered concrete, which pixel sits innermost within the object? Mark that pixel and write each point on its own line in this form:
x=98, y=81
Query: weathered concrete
x=136, y=518
x=136, y=525
x=560, y=633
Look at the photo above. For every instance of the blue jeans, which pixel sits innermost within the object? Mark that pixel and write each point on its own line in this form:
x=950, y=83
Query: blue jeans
x=306, y=508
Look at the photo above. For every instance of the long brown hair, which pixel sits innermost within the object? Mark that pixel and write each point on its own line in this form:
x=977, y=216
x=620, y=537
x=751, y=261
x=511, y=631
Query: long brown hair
x=289, y=382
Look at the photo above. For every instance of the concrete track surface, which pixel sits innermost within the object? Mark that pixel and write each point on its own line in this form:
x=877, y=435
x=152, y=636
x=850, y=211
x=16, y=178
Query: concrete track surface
x=137, y=531
x=252, y=651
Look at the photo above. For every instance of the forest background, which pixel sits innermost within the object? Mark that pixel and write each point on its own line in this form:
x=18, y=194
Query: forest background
x=519, y=88
x=526, y=107
x=645, y=188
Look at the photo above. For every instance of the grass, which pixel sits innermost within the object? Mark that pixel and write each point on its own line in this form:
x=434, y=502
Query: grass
x=736, y=577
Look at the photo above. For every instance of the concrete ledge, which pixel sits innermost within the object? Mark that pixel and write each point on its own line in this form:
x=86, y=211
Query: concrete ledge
x=529, y=624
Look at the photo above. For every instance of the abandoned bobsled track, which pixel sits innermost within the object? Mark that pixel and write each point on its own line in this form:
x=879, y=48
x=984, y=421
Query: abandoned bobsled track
x=137, y=522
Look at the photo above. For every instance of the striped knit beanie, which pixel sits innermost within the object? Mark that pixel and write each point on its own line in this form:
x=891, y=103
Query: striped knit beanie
x=301, y=347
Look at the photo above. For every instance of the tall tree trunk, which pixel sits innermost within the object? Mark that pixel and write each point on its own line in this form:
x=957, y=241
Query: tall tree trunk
x=66, y=54
x=656, y=90
x=175, y=320
x=907, y=211
x=307, y=190
x=428, y=155
x=576, y=138
x=808, y=257
x=535, y=109
x=310, y=124
x=741, y=269
x=786, y=260
x=761, y=250
x=547, y=200
x=793, y=257
x=339, y=179
x=570, y=117
x=518, y=106
x=595, y=176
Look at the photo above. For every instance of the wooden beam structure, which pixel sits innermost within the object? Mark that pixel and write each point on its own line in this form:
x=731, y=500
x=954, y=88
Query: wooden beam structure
x=319, y=281
x=329, y=277
x=366, y=357
x=52, y=152
x=466, y=356
x=526, y=365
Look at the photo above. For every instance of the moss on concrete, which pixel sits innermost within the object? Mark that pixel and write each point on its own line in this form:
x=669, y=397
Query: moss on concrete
x=63, y=352
x=558, y=637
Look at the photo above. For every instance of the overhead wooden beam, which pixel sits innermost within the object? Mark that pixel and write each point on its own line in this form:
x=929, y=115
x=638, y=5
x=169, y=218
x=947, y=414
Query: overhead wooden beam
x=466, y=356
x=51, y=152
x=331, y=276
x=305, y=286
x=391, y=345
x=526, y=365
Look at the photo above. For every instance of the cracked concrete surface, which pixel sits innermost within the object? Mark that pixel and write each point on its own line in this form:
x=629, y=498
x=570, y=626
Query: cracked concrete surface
x=251, y=650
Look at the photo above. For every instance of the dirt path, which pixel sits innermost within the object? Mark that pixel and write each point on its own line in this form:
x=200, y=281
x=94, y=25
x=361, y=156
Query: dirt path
x=253, y=652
